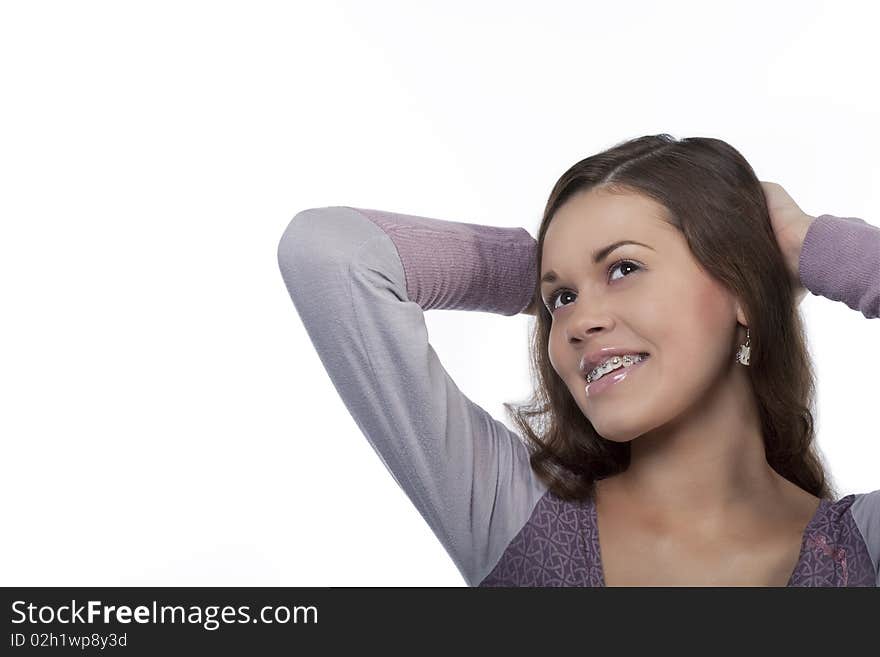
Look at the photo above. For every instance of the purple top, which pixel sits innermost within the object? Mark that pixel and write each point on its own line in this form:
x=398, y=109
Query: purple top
x=361, y=281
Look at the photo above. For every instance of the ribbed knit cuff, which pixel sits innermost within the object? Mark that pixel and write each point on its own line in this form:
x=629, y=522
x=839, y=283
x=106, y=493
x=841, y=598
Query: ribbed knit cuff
x=451, y=265
x=840, y=260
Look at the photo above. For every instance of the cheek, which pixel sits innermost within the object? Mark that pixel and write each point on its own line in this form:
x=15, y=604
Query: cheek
x=705, y=317
x=562, y=358
x=551, y=351
x=682, y=318
x=711, y=309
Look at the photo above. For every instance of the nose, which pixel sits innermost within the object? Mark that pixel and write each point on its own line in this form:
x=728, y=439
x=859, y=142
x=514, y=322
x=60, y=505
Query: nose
x=585, y=324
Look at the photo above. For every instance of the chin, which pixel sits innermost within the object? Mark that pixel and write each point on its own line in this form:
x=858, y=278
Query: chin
x=625, y=422
x=623, y=436
x=617, y=427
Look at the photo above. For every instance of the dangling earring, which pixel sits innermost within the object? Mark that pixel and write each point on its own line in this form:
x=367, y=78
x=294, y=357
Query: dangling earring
x=743, y=356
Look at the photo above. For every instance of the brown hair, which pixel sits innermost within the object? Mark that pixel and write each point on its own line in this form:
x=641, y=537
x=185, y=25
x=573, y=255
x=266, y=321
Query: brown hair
x=714, y=198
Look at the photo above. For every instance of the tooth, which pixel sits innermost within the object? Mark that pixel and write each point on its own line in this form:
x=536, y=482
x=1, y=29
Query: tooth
x=612, y=364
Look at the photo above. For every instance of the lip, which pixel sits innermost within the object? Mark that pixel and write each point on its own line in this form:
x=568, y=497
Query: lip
x=590, y=360
x=612, y=379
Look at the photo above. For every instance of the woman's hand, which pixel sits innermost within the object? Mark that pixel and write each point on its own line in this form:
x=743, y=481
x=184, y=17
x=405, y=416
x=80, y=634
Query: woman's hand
x=790, y=225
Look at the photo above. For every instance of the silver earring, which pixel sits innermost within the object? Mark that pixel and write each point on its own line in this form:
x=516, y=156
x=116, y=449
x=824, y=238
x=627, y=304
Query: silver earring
x=743, y=356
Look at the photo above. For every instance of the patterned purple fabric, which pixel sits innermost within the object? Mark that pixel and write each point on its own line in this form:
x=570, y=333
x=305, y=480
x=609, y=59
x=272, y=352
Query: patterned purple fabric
x=833, y=551
x=559, y=546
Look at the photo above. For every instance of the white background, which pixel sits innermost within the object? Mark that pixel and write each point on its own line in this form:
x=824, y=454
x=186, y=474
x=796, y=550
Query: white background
x=165, y=418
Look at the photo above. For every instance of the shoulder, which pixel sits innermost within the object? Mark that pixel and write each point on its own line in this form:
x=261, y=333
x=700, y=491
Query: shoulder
x=865, y=510
x=870, y=499
x=853, y=522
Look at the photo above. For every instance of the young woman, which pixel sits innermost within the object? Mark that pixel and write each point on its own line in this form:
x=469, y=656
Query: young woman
x=670, y=436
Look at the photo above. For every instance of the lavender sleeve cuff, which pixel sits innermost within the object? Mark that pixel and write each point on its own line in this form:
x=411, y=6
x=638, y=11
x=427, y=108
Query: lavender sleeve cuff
x=840, y=260
x=451, y=265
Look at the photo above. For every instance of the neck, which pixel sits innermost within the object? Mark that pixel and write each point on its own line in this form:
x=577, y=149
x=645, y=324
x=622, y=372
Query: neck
x=706, y=465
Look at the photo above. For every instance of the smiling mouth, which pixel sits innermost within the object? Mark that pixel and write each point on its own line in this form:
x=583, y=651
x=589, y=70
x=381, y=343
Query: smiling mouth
x=600, y=373
x=611, y=379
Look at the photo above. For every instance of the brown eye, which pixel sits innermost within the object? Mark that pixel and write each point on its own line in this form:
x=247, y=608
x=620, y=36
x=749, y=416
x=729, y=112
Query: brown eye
x=557, y=294
x=624, y=262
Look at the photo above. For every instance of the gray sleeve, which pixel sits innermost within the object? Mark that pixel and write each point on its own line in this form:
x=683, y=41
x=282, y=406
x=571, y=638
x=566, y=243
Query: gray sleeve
x=865, y=510
x=467, y=474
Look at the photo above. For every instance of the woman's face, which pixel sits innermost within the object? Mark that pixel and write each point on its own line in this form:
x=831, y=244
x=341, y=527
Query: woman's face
x=656, y=300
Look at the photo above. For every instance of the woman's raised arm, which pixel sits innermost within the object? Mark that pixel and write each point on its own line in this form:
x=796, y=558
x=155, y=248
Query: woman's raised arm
x=361, y=281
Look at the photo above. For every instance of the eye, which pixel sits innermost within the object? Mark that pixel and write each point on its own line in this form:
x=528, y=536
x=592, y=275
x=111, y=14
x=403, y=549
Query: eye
x=557, y=293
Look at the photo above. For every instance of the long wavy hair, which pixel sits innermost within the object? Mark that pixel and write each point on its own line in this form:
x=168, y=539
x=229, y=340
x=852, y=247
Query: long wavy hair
x=715, y=199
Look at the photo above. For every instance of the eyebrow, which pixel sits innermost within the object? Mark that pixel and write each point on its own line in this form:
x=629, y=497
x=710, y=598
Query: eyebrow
x=598, y=256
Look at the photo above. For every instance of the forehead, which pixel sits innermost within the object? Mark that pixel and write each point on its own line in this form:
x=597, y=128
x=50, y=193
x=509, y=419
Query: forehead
x=589, y=220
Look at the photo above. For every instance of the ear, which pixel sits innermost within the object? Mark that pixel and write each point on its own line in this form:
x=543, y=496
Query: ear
x=740, y=315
